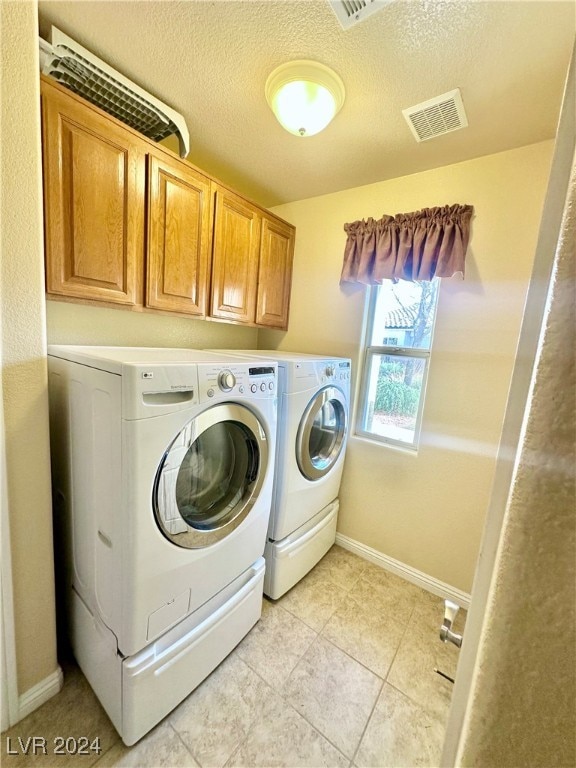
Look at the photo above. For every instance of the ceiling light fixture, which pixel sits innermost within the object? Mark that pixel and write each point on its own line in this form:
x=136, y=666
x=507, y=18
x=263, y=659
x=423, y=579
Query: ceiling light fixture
x=305, y=96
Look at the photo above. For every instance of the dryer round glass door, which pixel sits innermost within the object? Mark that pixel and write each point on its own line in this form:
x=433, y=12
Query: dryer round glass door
x=210, y=476
x=322, y=433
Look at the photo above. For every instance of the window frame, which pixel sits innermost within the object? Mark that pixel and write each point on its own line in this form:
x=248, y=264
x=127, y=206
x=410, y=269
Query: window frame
x=369, y=352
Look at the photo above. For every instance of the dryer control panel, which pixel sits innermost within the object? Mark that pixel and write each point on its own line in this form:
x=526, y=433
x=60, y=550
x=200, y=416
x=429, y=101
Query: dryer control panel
x=223, y=381
x=305, y=374
x=336, y=371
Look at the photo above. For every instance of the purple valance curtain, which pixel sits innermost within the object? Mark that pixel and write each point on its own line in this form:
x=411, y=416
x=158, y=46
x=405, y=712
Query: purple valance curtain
x=409, y=246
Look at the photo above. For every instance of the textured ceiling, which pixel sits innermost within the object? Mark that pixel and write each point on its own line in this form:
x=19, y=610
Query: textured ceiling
x=210, y=60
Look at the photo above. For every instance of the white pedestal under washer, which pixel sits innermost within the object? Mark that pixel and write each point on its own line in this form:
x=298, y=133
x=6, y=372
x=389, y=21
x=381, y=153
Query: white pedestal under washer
x=313, y=426
x=163, y=466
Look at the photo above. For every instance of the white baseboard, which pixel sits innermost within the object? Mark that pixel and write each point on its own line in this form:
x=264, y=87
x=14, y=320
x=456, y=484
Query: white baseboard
x=412, y=575
x=40, y=693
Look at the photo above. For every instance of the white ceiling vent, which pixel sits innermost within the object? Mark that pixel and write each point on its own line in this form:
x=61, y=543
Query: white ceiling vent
x=437, y=116
x=79, y=70
x=350, y=12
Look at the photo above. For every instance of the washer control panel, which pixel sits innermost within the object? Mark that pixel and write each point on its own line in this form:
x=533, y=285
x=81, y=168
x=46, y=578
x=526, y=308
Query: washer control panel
x=226, y=381
x=219, y=381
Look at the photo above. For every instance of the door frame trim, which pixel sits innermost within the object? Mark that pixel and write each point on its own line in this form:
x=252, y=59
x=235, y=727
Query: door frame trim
x=8, y=629
x=517, y=409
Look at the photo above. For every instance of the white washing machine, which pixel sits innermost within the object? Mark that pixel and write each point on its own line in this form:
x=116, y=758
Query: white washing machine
x=163, y=464
x=313, y=425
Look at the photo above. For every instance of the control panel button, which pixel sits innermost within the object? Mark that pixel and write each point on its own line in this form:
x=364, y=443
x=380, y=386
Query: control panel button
x=226, y=381
x=241, y=389
x=253, y=388
x=210, y=393
x=263, y=387
x=271, y=385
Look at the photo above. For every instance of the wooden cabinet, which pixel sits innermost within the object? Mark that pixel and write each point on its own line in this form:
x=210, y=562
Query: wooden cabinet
x=251, y=263
x=94, y=204
x=234, y=257
x=178, y=237
x=274, y=273
x=127, y=222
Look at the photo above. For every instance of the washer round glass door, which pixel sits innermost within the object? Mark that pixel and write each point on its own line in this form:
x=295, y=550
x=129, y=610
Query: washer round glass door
x=322, y=433
x=210, y=476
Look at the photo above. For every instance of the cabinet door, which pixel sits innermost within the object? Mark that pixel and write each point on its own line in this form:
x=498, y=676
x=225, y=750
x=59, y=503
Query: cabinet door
x=275, y=274
x=178, y=237
x=234, y=258
x=94, y=203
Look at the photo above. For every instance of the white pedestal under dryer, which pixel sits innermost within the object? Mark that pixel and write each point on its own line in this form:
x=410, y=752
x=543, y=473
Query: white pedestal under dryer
x=163, y=464
x=313, y=426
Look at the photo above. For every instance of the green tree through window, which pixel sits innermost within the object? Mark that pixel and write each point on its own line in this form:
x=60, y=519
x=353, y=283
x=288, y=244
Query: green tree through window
x=394, y=377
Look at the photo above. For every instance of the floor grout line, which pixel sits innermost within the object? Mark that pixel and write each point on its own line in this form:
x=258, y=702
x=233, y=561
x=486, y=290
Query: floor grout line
x=384, y=682
x=318, y=631
x=186, y=747
x=288, y=704
x=416, y=703
x=326, y=640
x=361, y=739
x=260, y=711
x=352, y=658
x=301, y=714
x=106, y=751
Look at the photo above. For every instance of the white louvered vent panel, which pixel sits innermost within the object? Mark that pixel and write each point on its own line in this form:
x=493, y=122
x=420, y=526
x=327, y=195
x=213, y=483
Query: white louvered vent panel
x=350, y=12
x=88, y=76
x=437, y=116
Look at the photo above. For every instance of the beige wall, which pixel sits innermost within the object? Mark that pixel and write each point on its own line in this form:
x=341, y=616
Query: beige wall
x=84, y=324
x=23, y=345
x=428, y=510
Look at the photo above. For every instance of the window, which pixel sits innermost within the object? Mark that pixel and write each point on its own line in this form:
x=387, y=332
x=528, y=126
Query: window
x=398, y=338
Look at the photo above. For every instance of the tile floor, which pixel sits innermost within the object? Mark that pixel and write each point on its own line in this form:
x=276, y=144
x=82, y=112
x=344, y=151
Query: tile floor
x=337, y=673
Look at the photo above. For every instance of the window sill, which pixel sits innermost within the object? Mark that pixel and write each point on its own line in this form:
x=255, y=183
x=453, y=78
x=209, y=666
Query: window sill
x=405, y=450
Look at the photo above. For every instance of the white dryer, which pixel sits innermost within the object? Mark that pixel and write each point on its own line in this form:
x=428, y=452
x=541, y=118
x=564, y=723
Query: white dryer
x=163, y=466
x=313, y=426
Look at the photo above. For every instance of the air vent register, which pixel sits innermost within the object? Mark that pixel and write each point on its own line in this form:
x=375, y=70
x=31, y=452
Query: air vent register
x=437, y=116
x=350, y=12
x=79, y=70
